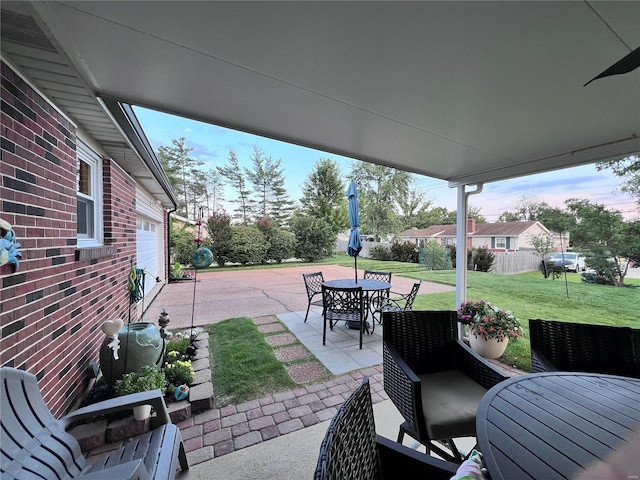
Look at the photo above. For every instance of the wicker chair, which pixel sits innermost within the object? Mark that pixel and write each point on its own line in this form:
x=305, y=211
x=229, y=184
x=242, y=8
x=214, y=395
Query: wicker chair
x=583, y=347
x=352, y=450
x=399, y=304
x=343, y=304
x=313, y=283
x=36, y=445
x=434, y=379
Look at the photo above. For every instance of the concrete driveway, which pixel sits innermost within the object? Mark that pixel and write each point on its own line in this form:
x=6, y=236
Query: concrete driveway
x=251, y=293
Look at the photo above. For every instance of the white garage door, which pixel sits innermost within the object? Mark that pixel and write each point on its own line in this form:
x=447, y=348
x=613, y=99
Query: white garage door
x=147, y=251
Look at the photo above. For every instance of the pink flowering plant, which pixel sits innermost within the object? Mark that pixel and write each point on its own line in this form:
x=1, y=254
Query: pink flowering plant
x=489, y=321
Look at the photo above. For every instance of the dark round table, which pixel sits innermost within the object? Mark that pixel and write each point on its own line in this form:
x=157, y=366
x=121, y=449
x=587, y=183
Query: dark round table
x=366, y=285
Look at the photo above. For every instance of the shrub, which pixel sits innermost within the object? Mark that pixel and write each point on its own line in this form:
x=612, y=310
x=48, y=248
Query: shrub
x=178, y=345
x=182, y=244
x=483, y=259
x=220, y=232
x=145, y=379
x=281, y=245
x=314, y=238
x=404, y=252
x=178, y=372
x=434, y=256
x=380, y=252
x=247, y=245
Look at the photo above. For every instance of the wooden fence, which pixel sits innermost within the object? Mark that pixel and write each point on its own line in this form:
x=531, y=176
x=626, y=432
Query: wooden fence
x=510, y=263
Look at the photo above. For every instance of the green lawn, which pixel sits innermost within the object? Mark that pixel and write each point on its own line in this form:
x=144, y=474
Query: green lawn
x=527, y=295
x=244, y=366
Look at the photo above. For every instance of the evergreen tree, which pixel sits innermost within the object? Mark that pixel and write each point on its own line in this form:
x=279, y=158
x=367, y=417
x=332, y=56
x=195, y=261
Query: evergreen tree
x=267, y=177
x=323, y=195
x=181, y=170
x=236, y=178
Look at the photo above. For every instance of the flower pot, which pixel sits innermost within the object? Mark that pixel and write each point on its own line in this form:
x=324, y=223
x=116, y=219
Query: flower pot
x=141, y=412
x=487, y=347
x=140, y=344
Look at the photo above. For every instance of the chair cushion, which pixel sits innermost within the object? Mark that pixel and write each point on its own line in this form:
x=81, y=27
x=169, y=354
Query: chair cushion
x=450, y=401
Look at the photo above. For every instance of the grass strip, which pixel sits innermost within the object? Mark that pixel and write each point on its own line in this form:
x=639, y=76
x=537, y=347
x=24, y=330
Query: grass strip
x=244, y=366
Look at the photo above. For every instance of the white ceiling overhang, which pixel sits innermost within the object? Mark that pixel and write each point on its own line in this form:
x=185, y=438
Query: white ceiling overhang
x=460, y=91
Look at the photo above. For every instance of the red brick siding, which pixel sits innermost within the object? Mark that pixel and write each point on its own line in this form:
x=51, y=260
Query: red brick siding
x=51, y=309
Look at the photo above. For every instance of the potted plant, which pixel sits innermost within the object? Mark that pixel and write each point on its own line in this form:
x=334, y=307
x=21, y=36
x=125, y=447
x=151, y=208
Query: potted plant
x=490, y=327
x=145, y=379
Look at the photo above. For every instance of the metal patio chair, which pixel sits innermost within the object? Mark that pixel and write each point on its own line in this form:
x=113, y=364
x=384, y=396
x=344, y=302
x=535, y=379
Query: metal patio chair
x=352, y=450
x=434, y=379
x=397, y=304
x=584, y=347
x=313, y=283
x=343, y=304
x=34, y=444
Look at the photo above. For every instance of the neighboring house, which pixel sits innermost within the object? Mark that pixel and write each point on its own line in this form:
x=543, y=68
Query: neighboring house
x=497, y=237
x=87, y=200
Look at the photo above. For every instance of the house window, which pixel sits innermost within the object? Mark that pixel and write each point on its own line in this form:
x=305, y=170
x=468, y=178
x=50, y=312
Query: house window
x=501, y=242
x=89, y=197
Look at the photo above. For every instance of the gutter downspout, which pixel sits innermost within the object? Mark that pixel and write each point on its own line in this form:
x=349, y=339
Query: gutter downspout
x=461, y=241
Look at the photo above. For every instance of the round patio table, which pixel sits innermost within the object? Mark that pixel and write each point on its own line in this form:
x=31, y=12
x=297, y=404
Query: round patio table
x=561, y=425
x=365, y=284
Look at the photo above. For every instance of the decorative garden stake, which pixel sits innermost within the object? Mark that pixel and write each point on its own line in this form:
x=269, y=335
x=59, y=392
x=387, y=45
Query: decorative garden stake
x=163, y=321
x=111, y=329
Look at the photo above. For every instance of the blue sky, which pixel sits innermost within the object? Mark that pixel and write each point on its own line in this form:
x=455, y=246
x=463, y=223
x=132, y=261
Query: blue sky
x=212, y=144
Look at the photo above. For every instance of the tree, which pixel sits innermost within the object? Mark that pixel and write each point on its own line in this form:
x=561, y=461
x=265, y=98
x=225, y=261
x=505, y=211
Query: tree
x=380, y=189
x=323, y=196
x=605, y=234
x=627, y=168
x=214, y=194
x=181, y=170
x=267, y=177
x=435, y=216
x=542, y=245
x=236, y=178
x=411, y=206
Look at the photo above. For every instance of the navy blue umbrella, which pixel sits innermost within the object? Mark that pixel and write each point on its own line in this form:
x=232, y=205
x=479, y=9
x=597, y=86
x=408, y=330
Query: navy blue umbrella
x=355, y=243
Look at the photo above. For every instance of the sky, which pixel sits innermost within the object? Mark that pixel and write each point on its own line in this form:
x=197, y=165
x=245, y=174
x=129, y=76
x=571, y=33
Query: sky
x=211, y=144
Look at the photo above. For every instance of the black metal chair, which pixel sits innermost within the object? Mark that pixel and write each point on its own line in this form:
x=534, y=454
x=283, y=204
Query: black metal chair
x=433, y=378
x=343, y=304
x=352, y=450
x=377, y=297
x=401, y=303
x=36, y=445
x=583, y=347
x=313, y=283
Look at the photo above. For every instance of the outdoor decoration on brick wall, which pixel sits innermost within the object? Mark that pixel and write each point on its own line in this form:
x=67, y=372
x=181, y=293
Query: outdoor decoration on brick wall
x=9, y=253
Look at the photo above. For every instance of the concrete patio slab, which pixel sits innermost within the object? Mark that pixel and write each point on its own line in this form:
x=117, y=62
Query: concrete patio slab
x=216, y=296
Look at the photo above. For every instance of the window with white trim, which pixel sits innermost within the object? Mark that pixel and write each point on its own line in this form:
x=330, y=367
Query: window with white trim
x=89, y=197
x=501, y=242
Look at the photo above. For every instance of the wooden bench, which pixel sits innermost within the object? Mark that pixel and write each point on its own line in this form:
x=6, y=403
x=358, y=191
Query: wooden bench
x=35, y=445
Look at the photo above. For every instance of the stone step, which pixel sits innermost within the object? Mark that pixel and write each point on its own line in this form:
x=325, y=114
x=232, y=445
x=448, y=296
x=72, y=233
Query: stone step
x=127, y=427
x=201, y=397
x=90, y=435
x=179, y=411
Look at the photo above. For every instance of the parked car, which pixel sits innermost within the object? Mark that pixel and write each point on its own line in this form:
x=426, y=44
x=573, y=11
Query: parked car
x=571, y=261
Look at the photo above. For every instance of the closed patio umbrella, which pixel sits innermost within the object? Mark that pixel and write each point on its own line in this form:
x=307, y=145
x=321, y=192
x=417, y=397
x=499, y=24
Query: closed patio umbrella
x=355, y=243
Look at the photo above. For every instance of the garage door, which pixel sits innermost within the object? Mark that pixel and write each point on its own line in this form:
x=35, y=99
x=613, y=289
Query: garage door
x=147, y=251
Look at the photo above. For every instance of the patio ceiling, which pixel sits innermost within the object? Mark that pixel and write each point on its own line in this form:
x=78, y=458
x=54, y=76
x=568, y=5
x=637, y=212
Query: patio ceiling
x=460, y=91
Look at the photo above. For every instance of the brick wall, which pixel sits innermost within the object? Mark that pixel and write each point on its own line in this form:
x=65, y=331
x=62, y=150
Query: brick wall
x=51, y=309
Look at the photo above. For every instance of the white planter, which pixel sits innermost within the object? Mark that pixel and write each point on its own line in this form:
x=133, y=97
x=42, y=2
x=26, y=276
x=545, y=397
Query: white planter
x=488, y=348
x=141, y=412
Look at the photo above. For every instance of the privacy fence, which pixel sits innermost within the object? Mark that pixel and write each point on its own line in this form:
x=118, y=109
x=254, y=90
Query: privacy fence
x=506, y=263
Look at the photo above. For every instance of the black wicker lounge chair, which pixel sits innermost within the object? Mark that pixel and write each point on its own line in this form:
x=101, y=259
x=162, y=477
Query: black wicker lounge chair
x=351, y=449
x=583, y=347
x=433, y=378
